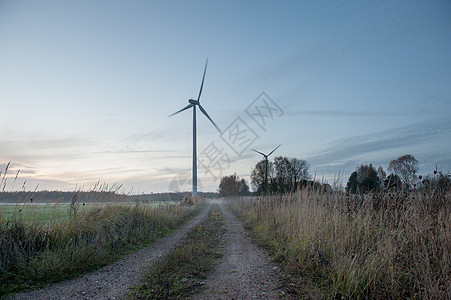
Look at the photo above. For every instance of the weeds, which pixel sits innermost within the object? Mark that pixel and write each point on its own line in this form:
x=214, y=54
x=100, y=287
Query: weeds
x=180, y=274
x=384, y=245
x=33, y=254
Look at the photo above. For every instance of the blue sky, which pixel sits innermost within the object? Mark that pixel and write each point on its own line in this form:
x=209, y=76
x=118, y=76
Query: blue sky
x=86, y=87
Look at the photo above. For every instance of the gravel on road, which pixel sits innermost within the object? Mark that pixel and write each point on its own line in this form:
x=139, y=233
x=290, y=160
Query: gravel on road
x=245, y=272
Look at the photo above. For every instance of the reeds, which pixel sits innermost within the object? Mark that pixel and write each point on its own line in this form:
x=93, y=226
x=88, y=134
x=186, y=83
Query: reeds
x=382, y=245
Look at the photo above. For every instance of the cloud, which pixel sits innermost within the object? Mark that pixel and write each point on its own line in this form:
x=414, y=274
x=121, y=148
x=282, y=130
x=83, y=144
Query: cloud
x=380, y=147
x=24, y=182
x=131, y=151
x=339, y=113
x=168, y=171
x=36, y=148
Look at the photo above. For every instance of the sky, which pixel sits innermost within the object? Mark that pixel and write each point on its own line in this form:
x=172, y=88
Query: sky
x=86, y=88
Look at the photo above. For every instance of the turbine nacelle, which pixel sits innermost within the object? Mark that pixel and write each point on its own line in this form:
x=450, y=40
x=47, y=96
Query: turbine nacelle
x=192, y=104
x=266, y=165
x=266, y=155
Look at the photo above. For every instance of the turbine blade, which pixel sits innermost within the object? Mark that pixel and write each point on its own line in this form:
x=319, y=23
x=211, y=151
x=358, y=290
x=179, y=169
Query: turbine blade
x=203, y=79
x=185, y=108
x=259, y=152
x=274, y=150
x=205, y=113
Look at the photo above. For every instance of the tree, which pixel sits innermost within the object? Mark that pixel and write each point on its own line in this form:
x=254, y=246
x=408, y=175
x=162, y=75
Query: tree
x=289, y=172
x=258, y=176
x=364, y=179
x=381, y=174
x=371, y=181
x=284, y=175
x=362, y=170
x=392, y=182
x=243, y=187
x=353, y=183
x=233, y=186
x=405, y=167
x=299, y=171
x=282, y=169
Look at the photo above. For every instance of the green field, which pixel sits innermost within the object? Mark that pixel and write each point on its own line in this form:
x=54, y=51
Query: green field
x=29, y=212
x=52, y=211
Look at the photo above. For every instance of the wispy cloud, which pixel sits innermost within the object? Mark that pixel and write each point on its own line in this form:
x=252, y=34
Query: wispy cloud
x=380, y=147
x=171, y=171
x=342, y=113
x=29, y=151
x=132, y=151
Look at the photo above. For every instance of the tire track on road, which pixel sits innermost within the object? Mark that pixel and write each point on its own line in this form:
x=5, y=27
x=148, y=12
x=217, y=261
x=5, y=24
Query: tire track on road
x=245, y=271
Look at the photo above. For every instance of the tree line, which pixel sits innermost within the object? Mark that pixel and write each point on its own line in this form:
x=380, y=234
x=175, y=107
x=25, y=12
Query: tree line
x=402, y=174
x=285, y=174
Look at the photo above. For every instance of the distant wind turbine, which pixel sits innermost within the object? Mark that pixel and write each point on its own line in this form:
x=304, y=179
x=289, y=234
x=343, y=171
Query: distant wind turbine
x=266, y=165
x=192, y=104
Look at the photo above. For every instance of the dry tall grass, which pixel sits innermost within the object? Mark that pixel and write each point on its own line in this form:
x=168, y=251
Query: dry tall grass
x=383, y=245
x=36, y=253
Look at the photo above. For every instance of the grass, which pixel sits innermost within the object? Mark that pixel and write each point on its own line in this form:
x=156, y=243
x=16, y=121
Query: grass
x=49, y=212
x=38, y=250
x=180, y=274
x=34, y=212
x=383, y=245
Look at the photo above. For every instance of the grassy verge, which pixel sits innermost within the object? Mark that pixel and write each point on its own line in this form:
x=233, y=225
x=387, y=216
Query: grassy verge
x=387, y=245
x=35, y=253
x=180, y=274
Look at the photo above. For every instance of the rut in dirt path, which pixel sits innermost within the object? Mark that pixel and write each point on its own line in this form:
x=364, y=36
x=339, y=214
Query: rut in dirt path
x=112, y=281
x=245, y=272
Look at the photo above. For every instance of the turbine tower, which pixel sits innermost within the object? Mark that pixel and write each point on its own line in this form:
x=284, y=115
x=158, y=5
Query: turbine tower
x=266, y=165
x=192, y=104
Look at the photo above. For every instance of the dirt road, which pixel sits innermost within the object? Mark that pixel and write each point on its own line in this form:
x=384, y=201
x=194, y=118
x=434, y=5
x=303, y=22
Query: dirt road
x=245, y=271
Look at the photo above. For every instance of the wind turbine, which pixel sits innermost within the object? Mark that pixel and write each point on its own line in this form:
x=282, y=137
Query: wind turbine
x=266, y=165
x=192, y=104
